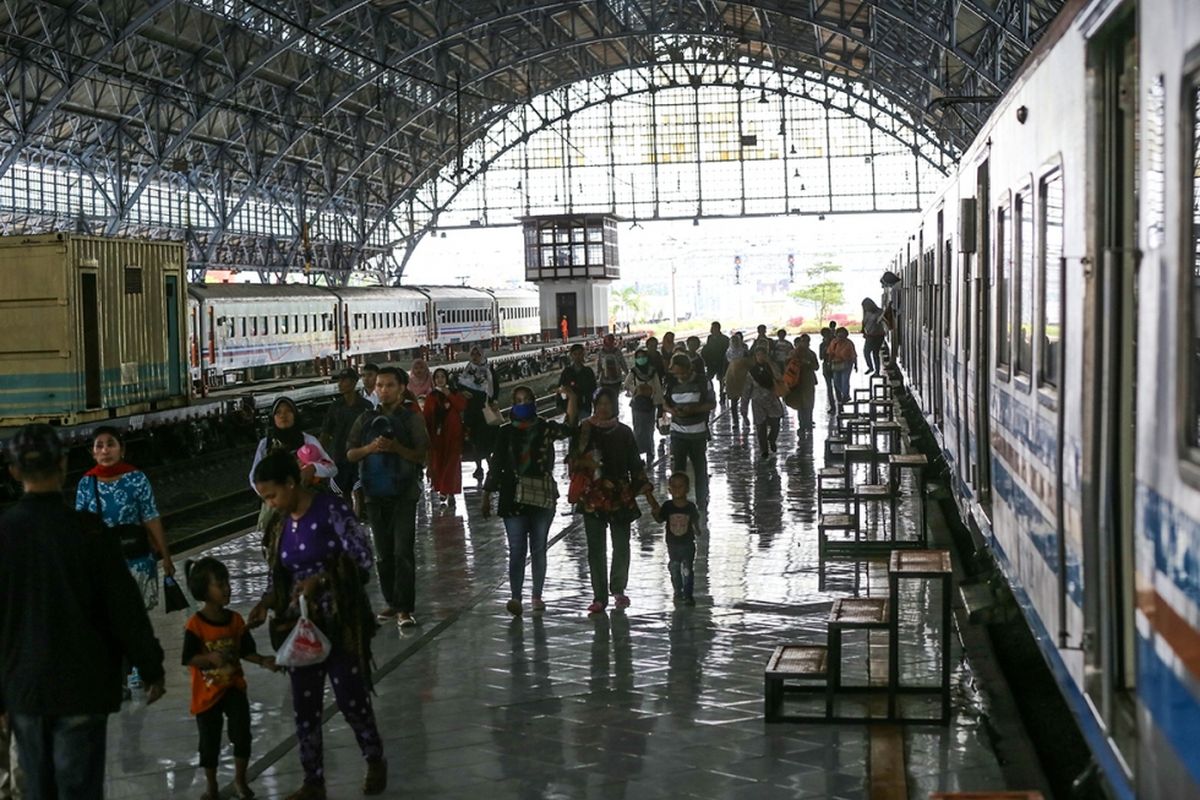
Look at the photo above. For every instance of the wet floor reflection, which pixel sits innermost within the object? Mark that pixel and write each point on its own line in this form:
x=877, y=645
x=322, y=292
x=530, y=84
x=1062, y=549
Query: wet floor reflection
x=656, y=701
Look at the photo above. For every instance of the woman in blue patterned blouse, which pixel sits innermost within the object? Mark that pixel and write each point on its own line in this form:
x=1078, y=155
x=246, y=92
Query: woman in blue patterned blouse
x=121, y=494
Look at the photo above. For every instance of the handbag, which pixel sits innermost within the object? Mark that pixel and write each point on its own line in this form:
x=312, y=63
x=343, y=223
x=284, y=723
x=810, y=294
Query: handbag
x=537, y=490
x=305, y=645
x=492, y=415
x=135, y=542
x=173, y=597
x=664, y=423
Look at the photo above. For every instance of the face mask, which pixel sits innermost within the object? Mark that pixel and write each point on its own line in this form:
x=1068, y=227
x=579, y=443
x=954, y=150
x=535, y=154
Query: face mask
x=524, y=411
x=641, y=361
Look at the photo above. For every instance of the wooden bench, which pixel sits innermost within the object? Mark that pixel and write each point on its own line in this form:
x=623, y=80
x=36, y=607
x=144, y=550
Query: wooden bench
x=796, y=662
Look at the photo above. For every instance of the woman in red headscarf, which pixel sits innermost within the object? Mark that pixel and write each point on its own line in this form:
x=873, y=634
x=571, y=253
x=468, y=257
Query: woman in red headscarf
x=444, y=407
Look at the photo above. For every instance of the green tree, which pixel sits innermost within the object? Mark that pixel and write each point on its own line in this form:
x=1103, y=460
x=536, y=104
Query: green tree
x=627, y=303
x=824, y=288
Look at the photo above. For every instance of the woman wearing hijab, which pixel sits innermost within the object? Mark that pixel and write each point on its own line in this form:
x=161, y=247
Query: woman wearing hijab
x=607, y=453
x=479, y=386
x=121, y=495
x=420, y=381
x=443, y=412
x=642, y=384
x=521, y=469
x=764, y=400
x=285, y=436
x=801, y=377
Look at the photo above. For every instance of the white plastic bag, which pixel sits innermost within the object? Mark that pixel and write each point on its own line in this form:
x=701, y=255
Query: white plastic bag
x=305, y=645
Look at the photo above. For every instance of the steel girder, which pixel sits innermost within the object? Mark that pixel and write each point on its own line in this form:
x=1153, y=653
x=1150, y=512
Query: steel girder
x=304, y=134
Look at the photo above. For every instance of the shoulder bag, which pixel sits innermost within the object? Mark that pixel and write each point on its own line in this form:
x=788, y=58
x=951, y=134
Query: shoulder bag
x=135, y=542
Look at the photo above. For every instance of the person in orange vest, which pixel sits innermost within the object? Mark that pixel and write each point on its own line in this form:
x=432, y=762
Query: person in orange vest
x=562, y=326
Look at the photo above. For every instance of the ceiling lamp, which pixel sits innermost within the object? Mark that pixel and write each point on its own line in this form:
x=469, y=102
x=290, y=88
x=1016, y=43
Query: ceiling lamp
x=762, y=96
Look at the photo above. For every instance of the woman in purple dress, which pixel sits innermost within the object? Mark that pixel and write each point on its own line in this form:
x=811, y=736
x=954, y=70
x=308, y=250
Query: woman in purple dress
x=323, y=553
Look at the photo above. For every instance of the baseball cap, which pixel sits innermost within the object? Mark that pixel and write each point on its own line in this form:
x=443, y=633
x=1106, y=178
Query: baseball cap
x=348, y=372
x=35, y=447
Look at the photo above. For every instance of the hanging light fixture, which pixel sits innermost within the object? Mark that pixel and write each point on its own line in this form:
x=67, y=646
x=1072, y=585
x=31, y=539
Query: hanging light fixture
x=762, y=96
x=796, y=174
x=793, y=150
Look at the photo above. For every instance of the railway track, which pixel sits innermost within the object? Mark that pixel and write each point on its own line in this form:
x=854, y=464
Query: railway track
x=208, y=520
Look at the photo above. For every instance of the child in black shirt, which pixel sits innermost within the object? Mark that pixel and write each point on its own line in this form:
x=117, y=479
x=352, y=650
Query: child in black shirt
x=682, y=521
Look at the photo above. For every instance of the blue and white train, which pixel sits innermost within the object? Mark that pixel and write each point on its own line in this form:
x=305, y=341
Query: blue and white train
x=1049, y=325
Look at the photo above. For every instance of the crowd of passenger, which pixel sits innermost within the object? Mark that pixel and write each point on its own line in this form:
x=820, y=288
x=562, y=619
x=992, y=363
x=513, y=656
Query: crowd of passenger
x=340, y=507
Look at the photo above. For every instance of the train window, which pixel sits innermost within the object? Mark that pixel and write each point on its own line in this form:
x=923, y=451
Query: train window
x=1050, y=278
x=295, y=323
x=1003, y=275
x=1192, y=290
x=1023, y=278
x=243, y=327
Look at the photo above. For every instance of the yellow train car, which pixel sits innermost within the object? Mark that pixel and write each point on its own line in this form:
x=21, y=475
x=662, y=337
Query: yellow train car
x=90, y=328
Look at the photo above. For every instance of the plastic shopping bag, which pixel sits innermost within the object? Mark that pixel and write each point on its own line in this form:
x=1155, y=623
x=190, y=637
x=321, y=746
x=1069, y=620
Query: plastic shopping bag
x=305, y=645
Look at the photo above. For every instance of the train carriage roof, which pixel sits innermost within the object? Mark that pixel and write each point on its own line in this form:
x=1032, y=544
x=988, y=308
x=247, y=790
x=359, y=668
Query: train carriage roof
x=257, y=291
x=437, y=293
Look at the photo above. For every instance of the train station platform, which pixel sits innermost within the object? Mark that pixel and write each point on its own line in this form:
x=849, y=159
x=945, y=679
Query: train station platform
x=654, y=701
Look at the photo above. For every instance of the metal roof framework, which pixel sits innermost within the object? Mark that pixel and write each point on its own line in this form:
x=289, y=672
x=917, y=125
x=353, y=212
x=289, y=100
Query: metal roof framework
x=278, y=135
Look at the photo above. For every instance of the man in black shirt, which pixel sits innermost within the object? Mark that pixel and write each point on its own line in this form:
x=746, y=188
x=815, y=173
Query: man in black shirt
x=336, y=428
x=581, y=379
x=69, y=613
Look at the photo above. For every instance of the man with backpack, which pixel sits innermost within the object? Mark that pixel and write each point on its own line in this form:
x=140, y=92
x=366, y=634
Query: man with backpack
x=389, y=445
x=611, y=368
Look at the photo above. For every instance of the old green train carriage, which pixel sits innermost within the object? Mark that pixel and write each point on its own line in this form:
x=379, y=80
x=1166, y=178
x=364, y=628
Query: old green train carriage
x=90, y=328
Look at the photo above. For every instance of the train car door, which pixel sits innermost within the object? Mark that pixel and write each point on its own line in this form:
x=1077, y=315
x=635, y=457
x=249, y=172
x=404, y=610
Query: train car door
x=174, y=358
x=89, y=320
x=1111, y=341
x=983, y=341
x=565, y=307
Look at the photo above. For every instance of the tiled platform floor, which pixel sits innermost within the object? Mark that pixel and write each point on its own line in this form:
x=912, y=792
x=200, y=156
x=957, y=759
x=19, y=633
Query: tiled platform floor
x=651, y=702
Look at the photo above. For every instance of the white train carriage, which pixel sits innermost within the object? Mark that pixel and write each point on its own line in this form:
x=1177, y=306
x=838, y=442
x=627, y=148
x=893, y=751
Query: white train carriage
x=382, y=320
x=243, y=327
x=519, y=313
x=460, y=315
x=1048, y=320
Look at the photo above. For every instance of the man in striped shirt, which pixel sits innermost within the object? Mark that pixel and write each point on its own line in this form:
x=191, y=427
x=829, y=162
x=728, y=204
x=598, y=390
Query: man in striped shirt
x=689, y=399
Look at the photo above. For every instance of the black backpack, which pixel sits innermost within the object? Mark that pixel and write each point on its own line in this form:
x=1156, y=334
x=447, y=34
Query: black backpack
x=387, y=474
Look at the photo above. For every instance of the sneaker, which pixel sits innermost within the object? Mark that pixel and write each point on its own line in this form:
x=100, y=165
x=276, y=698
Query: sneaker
x=622, y=601
x=596, y=607
x=405, y=620
x=376, y=779
x=386, y=614
x=538, y=604
x=514, y=607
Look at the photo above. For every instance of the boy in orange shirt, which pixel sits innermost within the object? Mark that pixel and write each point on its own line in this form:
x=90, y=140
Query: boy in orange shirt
x=215, y=642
